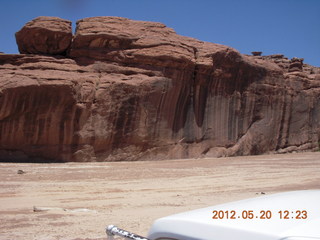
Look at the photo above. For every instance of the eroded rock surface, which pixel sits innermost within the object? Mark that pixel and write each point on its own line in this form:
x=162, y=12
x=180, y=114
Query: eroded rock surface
x=132, y=90
x=45, y=35
x=296, y=64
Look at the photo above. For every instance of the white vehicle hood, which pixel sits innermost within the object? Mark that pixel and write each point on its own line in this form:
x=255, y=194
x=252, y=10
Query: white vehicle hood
x=198, y=224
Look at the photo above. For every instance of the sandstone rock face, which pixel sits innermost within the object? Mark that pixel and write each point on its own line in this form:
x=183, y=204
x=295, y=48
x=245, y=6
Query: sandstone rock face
x=296, y=64
x=45, y=35
x=131, y=90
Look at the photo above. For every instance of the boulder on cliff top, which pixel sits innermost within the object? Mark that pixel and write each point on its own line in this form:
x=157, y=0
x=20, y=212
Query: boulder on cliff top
x=45, y=35
x=102, y=38
x=128, y=41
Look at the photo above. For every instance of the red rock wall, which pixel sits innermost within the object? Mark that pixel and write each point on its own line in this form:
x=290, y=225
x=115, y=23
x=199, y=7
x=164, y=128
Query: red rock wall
x=128, y=90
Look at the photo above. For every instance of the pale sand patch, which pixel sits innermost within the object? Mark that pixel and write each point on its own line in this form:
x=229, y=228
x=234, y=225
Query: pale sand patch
x=132, y=195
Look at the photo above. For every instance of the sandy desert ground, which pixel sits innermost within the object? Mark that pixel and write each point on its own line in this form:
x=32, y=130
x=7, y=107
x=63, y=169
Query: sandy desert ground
x=83, y=198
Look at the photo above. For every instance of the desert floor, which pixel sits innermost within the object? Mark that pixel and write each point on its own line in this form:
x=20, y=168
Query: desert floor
x=83, y=198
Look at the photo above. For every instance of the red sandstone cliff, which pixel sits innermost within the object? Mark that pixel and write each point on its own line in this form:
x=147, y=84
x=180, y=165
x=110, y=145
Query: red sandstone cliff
x=127, y=90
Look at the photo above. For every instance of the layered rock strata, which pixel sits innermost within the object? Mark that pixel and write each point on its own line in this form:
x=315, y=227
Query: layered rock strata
x=128, y=90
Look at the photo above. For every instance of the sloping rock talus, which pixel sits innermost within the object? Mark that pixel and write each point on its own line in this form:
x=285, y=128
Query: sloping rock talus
x=128, y=90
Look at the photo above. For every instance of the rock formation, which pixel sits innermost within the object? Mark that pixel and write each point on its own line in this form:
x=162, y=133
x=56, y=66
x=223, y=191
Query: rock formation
x=256, y=53
x=296, y=64
x=128, y=90
x=45, y=35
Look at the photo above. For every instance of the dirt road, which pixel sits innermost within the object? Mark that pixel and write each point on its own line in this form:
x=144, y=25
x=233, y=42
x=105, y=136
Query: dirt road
x=78, y=200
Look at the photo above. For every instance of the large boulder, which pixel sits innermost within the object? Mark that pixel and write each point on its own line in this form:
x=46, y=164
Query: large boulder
x=130, y=42
x=45, y=35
